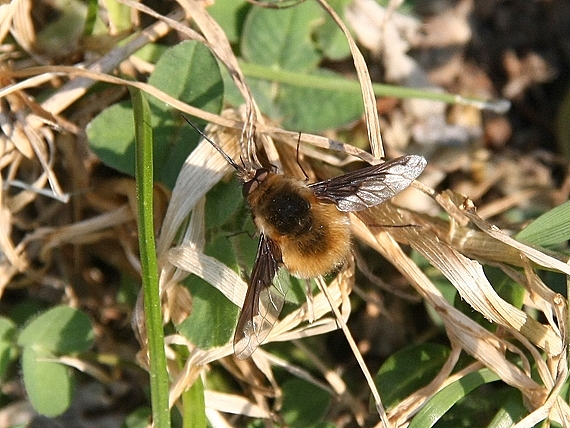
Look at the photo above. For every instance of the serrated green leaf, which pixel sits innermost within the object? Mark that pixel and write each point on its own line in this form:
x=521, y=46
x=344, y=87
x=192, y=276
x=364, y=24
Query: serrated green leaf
x=281, y=38
x=409, y=370
x=304, y=404
x=440, y=403
x=61, y=330
x=213, y=316
x=49, y=384
x=112, y=137
x=188, y=72
x=551, y=228
x=327, y=108
x=222, y=202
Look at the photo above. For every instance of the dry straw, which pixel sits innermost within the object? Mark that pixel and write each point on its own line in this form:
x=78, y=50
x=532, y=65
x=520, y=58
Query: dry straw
x=456, y=248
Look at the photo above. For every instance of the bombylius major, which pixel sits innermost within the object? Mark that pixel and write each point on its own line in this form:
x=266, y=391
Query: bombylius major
x=304, y=227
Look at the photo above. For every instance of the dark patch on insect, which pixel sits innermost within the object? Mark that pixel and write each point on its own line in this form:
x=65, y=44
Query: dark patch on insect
x=306, y=229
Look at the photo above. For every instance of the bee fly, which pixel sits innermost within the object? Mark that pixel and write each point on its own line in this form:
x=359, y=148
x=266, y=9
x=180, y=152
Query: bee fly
x=304, y=227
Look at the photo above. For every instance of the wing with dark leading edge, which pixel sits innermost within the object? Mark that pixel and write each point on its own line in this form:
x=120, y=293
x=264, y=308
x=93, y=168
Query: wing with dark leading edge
x=263, y=300
x=370, y=186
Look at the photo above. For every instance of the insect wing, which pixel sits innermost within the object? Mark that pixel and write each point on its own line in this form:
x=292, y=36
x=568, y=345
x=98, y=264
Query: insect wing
x=370, y=186
x=263, y=300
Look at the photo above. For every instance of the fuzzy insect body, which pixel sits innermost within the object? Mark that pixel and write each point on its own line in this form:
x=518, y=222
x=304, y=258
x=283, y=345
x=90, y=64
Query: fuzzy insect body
x=304, y=227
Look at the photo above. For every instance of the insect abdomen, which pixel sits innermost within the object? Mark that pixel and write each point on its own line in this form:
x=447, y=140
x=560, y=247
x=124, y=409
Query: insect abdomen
x=314, y=237
x=321, y=250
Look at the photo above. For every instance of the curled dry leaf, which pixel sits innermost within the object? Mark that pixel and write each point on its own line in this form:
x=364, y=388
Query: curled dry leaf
x=449, y=248
x=231, y=403
x=435, y=240
x=453, y=250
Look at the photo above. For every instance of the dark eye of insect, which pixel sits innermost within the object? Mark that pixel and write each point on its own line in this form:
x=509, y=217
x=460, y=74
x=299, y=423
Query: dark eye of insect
x=290, y=213
x=252, y=184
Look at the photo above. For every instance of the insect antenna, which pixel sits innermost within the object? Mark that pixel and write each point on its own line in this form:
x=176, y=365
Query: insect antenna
x=239, y=169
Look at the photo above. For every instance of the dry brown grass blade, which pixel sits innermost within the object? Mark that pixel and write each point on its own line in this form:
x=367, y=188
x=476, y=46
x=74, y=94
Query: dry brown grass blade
x=13, y=255
x=485, y=242
x=291, y=327
x=370, y=110
x=291, y=139
x=231, y=403
x=200, y=172
x=211, y=270
x=469, y=279
x=14, y=133
x=21, y=139
x=76, y=88
x=7, y=12
x=22, y=26
x=29, y=133
x=538, y=344
x=461, y=330
x=220, y=46
x=537, y=256
x=369, y=380
x=479, y=293
x=214, y=37
x=81, y=232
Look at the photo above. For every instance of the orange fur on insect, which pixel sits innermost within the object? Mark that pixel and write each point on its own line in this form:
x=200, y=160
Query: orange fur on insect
x=314, y=236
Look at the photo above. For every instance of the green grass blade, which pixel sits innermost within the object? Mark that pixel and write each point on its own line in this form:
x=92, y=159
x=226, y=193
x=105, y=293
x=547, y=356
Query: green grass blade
x=194, y=406
x=448, y=396
x=92, y=9
x=551, y=228
x=315, y=81
x=144, y=180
